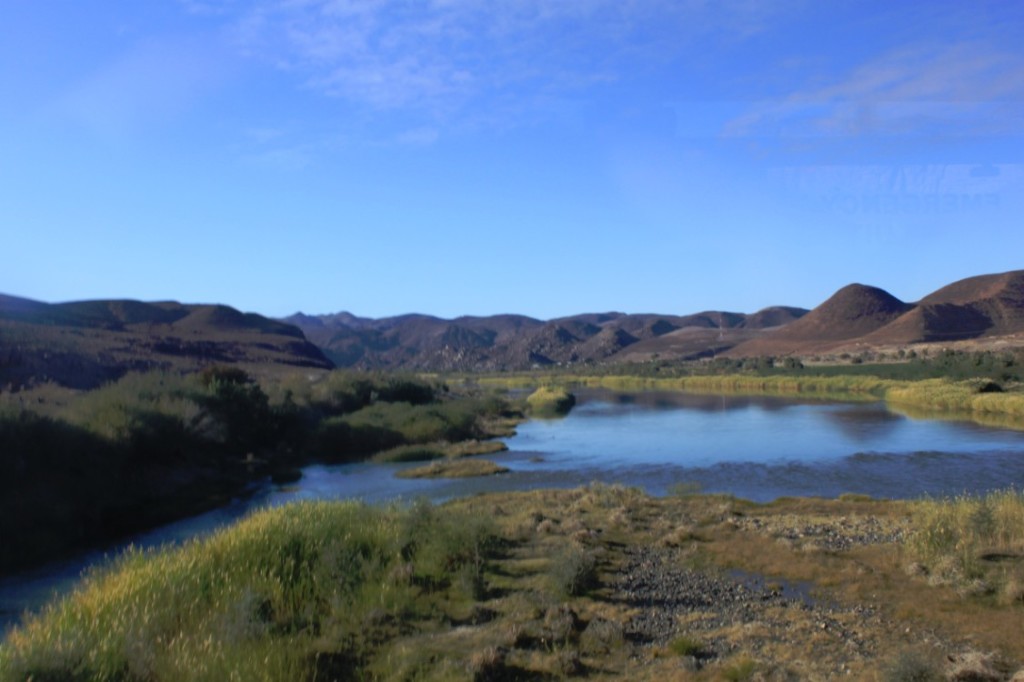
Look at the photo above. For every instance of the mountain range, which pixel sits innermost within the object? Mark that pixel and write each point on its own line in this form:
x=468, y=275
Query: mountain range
x=509, y=342
x=84, y=344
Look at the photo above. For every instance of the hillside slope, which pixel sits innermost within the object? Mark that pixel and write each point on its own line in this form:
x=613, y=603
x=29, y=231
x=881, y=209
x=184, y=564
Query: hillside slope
x=87, y=343
x=859, y=317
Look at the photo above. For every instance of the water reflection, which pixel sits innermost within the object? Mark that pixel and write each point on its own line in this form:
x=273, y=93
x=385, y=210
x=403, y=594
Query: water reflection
x=674, y=400
x=871, y=422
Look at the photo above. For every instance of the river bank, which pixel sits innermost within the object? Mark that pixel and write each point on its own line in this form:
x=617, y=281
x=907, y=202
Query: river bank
x=602, y=581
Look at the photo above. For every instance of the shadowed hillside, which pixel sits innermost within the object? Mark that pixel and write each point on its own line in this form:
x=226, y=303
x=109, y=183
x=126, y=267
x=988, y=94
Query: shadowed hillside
x=87, y=343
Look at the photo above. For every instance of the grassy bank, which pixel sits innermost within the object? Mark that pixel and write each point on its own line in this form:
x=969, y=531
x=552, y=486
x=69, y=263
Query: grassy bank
x=976, y=397
x=851, y=386
x=970, y=396
x=550, y=585
x=77, y=468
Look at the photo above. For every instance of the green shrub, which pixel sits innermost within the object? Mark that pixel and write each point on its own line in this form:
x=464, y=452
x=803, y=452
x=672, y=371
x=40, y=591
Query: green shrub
x=739, y=670
x=602, y=636
x=911, y=666
x=573, y=571
x=454, y=421
x=550, y=402
x=686, y=646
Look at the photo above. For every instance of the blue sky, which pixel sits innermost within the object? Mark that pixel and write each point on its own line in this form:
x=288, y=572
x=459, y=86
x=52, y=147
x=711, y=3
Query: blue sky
x=544, y=157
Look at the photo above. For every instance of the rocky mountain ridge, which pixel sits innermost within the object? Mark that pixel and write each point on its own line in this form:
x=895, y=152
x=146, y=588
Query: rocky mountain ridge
x=513, y=342
x=86, y=343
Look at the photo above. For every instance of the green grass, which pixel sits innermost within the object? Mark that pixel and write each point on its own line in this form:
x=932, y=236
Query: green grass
x=846, y=386
x=267, y=599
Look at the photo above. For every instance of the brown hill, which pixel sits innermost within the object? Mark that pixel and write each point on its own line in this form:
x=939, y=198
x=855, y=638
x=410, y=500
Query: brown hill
x=852, y=312
x=86, y=343
x=859, y=317
x=976, y=307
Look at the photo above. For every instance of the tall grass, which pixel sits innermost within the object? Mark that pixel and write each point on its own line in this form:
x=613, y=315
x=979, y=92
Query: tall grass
x=727, y=383
x=263, y=600
x=964, y=396
x=953, y=536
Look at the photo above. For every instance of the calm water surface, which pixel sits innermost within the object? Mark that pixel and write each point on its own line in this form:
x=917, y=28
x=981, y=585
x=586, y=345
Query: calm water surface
x=758, y=448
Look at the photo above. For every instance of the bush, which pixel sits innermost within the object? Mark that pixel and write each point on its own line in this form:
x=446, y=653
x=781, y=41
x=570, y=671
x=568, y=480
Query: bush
x=686, y=646
x=550, y=402
x=911, y=666
x=453, y=421
x=573, y=571
x=602, y=636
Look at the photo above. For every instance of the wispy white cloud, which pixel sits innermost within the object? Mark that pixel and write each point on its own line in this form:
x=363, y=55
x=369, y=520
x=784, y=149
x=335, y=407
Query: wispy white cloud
x=440, y=56
x=969, y=88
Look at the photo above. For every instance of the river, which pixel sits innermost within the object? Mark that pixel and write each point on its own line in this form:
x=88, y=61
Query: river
x=759, y=448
